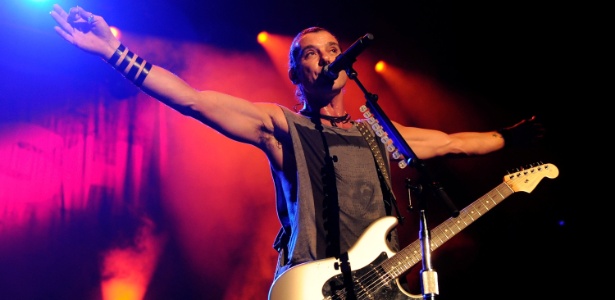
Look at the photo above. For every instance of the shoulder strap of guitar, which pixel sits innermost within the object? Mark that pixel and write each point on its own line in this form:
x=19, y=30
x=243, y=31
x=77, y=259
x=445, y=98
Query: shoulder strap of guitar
x=383, y=175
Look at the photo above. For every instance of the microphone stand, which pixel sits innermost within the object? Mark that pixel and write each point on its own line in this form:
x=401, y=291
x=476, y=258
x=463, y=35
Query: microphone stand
x=407, y=157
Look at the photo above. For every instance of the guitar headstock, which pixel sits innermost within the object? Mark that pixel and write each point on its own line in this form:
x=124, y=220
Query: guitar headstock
x=526, y=179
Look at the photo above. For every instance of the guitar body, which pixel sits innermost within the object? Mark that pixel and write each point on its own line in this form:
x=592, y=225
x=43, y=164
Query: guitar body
x=323, y=279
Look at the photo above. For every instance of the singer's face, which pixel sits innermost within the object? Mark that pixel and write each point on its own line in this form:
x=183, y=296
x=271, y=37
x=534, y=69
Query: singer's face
x=319, y=49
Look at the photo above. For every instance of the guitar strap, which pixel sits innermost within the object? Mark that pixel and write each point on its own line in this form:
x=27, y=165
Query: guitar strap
x=383, y=175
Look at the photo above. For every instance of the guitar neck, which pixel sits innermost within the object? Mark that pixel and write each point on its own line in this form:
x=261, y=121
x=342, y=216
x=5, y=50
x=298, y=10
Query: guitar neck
x=411, y=254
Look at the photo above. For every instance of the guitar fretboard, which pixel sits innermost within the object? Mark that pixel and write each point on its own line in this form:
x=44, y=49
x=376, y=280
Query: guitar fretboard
x=411, y=255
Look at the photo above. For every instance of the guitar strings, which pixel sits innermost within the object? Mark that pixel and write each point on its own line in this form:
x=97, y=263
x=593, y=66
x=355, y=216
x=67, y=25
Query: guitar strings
x=379, y=277
x=374, y=282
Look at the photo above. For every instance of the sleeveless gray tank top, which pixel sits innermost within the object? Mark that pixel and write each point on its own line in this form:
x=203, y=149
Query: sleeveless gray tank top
x=327, y=194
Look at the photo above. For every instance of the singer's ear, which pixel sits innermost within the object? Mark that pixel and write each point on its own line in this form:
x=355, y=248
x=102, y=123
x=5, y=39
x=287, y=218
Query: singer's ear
x=292, y=74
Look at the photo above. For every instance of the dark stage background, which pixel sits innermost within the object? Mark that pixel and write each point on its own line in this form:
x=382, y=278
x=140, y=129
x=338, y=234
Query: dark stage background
x=108, y=194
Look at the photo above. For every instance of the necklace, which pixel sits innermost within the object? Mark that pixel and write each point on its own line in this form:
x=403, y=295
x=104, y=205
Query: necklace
x=334, y=120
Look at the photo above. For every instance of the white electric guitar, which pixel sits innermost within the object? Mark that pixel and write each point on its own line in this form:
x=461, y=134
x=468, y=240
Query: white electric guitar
x=376, y=268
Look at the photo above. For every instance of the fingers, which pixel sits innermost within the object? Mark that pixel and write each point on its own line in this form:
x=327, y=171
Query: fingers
x=58, y=10
x=63, y=34
x=62, y=22
x=64, y=28
x=75, y=20
x=61, y=17
x=78, y=12
x=73, y=14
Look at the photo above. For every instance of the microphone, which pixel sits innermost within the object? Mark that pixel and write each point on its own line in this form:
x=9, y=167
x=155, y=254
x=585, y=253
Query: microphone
x=348, y=57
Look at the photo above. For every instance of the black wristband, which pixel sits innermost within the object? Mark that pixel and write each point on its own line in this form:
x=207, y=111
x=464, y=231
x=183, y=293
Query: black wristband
x=116, y=55
x=139, y=81
x=125, y=62
x=134, y=69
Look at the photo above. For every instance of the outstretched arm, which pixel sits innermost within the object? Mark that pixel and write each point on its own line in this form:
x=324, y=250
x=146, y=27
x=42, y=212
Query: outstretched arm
x=428, y=143
x=236, y=118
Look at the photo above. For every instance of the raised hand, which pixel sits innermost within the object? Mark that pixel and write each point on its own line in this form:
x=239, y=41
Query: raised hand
x=526, y=132
x=85, y=30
